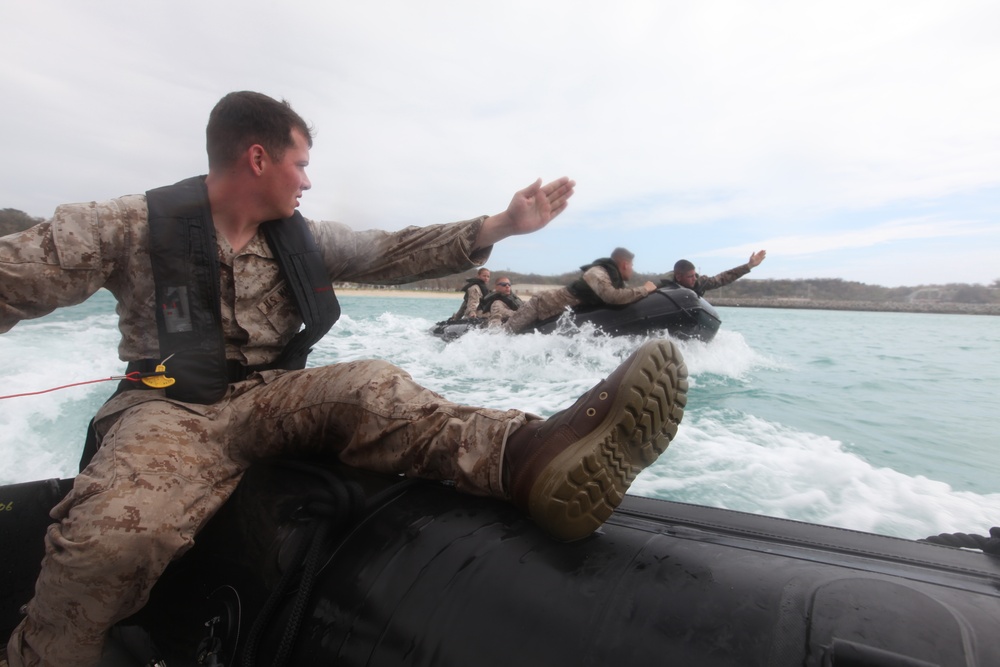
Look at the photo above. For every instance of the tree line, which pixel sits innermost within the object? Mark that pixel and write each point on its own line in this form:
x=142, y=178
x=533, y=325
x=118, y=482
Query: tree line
x=812, y=289
x=13, y=220
x=817, y=289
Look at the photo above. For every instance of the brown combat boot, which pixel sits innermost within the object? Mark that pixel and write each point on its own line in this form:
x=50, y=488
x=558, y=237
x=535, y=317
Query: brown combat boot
x=570, y=471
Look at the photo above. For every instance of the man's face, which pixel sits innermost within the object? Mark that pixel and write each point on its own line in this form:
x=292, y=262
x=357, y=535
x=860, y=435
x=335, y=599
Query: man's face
x=503, y=286
x=686, y=278
x=485, y=276
x=286, y=180
x=625, y=268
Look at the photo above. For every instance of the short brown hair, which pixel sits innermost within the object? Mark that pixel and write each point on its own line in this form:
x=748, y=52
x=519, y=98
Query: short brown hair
x=621, y=254
x=242, y=119
x=682, y=266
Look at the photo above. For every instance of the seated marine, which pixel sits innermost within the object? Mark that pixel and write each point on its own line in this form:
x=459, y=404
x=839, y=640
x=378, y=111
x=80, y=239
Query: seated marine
x=475, y=289
x=602, y=282
x=500, y=304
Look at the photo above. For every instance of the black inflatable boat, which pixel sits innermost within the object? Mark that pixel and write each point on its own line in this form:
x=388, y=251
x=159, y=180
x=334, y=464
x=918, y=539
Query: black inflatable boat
x=310, y=564
x=674, y=309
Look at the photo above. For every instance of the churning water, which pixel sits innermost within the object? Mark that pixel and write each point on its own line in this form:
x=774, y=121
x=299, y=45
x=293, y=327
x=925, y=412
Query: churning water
x=882, y=422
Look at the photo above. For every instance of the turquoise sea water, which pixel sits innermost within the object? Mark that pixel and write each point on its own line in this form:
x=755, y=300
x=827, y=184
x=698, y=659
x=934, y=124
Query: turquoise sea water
x=883, y=422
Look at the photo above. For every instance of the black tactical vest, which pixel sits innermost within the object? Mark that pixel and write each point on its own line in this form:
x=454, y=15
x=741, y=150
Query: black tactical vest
x=469, y=284
x=512, y=300
x=182, y=248
x=582, y=291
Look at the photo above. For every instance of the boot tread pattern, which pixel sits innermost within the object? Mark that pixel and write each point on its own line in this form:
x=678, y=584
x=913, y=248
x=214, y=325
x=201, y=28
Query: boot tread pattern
x=574, y=504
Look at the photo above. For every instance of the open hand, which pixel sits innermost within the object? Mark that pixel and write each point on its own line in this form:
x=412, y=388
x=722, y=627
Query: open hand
x=757, y=258
x=529, y=210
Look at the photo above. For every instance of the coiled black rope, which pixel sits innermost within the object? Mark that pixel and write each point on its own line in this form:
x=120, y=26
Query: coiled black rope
x=323, y=512
x=989, y=545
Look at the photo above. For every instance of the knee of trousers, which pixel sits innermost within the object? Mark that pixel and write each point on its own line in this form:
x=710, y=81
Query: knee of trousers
x=95, y=552
x=361, y=371
x=381, y=367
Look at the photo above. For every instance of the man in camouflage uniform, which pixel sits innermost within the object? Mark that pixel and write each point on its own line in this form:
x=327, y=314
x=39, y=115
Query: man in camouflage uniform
x=685, y=275
x=597, y=285
x=165, y=466
x=475, y=290
x=495, y=306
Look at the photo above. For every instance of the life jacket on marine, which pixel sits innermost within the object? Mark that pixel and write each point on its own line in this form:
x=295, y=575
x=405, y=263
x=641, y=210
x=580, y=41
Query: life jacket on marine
x=185, y=264
x=582, y=291
x=512, y=300
x=469, y=284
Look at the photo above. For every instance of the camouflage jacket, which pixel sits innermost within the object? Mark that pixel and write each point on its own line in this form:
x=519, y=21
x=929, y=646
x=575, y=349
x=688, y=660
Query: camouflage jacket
x=470, y=302
x=704, y=283
x=598, y=279
x=499, y=313
x=86, y=247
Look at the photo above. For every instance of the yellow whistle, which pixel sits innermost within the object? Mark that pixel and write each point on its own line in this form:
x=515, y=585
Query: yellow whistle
x=158, y=381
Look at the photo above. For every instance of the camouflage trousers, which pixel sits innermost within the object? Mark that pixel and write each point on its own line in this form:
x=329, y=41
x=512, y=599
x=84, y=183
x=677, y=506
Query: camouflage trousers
x=540, y=307
x=164, y=468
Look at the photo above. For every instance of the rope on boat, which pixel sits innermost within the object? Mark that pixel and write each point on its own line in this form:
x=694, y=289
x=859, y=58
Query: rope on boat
x=323, y=513
x=156, y=379
x=132, y=377
x=989, y=545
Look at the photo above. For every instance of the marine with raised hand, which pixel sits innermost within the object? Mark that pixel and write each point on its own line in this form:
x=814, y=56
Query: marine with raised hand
x=221, y=281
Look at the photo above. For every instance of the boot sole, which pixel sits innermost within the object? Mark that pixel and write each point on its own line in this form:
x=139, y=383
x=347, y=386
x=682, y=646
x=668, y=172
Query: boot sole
x=583, y=485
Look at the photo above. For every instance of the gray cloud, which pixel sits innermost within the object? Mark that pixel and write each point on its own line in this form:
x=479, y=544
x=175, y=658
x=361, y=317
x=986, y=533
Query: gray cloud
x=707, y=126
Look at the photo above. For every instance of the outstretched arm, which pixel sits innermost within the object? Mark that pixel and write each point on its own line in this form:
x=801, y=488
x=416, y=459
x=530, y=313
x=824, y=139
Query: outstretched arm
x=530, y=209
x=599, y=280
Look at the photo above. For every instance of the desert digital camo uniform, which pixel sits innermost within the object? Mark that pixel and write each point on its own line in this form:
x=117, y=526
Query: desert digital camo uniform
x=165, y=467
x=552, y=302
x=499, y=313
x=470, y=303
x=704, y=283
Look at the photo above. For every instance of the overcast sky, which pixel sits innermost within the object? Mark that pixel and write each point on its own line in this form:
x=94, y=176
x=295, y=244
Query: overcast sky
x=851, y=139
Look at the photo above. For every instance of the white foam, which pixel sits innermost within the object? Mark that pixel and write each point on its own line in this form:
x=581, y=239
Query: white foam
x=41, y=436
x=723, y=456
x=744, y=463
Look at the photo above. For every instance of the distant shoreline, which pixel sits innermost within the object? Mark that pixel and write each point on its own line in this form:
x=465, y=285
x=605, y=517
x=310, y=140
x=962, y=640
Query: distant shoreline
x=802, y=304
x=946, y=308
x=393, y=292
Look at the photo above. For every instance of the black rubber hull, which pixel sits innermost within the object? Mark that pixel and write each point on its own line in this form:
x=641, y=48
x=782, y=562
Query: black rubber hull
x=676, y=310
x=679, y=311
x=431, y=577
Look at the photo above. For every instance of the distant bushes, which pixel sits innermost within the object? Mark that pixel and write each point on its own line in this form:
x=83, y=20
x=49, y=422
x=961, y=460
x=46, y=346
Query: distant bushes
x=13, y=220
x=809, y=289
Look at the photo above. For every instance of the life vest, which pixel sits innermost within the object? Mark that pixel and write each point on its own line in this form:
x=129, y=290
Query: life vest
x=582, y=291
x=182, y=249
x=469, y=283
x=512, y=300
x=478, y=282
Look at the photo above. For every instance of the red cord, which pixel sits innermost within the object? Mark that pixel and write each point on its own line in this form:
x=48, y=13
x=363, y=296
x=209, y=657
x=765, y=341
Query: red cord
x=134, y=376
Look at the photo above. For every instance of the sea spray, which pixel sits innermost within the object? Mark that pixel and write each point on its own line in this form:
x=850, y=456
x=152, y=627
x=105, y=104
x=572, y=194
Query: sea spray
x=872, y=421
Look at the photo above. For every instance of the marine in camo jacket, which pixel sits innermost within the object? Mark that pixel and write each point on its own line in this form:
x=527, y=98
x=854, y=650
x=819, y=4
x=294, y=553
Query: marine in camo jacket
x=165, y=466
